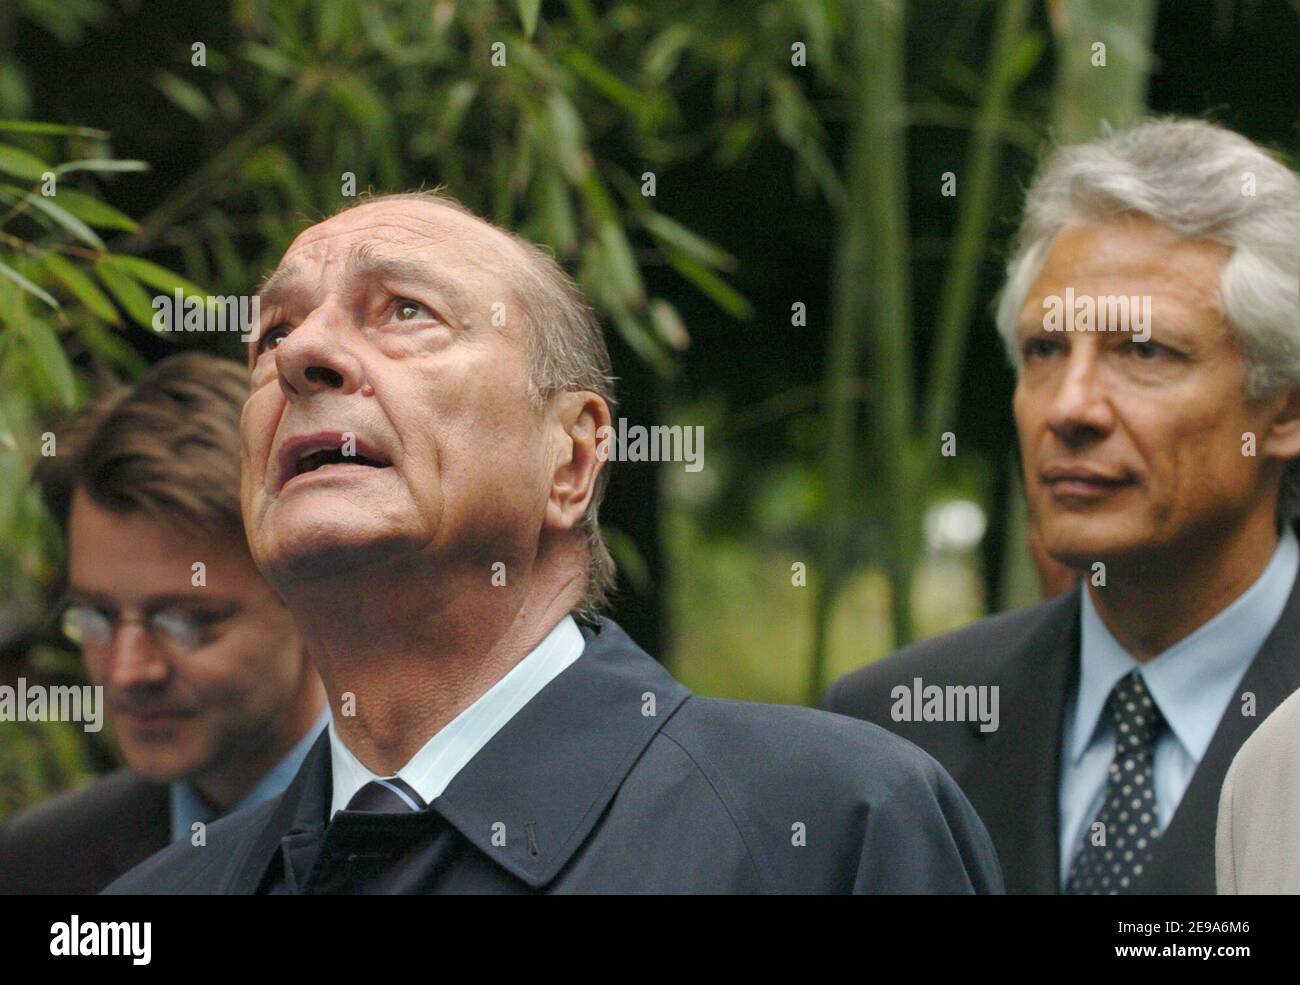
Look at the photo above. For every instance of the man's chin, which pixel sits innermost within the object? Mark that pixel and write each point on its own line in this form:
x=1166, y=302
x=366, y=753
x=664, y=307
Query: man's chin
x=172, y=766
x=322, y=557
x=1079, y=544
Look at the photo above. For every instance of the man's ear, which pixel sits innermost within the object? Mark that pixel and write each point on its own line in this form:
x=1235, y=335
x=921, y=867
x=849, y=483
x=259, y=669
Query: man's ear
x=583, y=416
x=1283, y=438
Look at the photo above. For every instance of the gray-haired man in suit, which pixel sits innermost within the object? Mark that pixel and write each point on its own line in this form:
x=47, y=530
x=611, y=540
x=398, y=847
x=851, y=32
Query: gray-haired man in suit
x=1151, y=313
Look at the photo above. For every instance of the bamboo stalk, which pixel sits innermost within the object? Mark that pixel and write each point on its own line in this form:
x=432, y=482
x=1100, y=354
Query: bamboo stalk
x=880, y=50
x=870, y=289
x=1088, y=94
x=976, y=192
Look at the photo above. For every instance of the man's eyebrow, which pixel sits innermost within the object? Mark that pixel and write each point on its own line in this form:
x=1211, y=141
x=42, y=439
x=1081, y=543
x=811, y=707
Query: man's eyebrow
x=79, y=596
x=365, y=262
x=276, y=282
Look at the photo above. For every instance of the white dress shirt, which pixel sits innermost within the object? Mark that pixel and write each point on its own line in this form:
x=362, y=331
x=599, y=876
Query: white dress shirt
x=1192, y=683
x=439, y=760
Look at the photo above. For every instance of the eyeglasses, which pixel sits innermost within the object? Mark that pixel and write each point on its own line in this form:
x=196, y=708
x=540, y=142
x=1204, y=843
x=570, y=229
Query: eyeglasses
x=176, y=629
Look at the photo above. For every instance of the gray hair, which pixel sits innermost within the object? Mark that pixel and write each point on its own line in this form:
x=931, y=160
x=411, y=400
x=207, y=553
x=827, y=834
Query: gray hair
x=566, y=351
x=1192, y=177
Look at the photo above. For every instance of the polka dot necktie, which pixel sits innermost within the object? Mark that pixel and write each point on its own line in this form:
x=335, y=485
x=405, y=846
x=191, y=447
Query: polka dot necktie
x=1113, y=864
x=390, y=796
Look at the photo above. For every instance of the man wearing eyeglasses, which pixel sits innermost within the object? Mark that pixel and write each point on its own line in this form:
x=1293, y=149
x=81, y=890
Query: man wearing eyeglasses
x=210, y=693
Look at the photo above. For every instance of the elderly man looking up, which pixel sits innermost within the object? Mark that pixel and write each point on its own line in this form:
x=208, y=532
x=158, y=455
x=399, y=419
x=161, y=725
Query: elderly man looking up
x=1151, y=313
x=421, y=480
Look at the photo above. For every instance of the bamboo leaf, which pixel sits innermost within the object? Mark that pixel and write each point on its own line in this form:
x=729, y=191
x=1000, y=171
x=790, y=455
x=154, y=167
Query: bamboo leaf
x=49, y=359
x=270, y=60
x=604, y=81
x=673, y=233
x=557, y=211
x=6, y=433
x=130, y=295
x=95, y=212
x=624, y=275
x=661, y=56
x=147, y=272
x=184, y=94
x=21, y=164
x=641, y=341
x=668, y=324
x=567, y=136
x=714, y=287
x=80, y=286
x=53, y=129
x=454, y=107
x=110, y=347
x=67, y=220
x=27, y=285
x=102, y=165
x=528, y=11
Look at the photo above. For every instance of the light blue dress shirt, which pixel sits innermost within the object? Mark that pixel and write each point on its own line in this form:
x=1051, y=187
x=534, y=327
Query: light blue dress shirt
x=188, y=807
x=1192, y=683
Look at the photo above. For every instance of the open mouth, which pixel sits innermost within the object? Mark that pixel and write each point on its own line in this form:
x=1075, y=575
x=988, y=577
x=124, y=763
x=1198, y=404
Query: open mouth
x=326, y=457
x=325, y=453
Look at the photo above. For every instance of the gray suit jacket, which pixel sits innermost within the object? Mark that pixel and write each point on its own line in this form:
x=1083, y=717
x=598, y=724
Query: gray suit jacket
x=614, y=778
x=1257, y=848
x=1012, y=776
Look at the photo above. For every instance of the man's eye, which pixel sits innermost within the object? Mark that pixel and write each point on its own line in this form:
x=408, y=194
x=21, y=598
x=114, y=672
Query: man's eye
x=189, y=628
x=1146, y=351
x=1038, y=348
x=271, y=338
x=404, y=309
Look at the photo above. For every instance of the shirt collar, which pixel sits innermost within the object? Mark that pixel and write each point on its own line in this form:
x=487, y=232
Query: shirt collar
x=446, y=753
x=187, y=806
x=1192, y=681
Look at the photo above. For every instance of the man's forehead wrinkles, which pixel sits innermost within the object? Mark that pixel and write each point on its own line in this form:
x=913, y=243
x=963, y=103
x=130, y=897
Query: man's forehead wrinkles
x=444, y=225
x=370, y=259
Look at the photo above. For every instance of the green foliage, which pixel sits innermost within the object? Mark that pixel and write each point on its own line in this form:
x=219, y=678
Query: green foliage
x=547, y=124
x=38, y=761
x=59, y=325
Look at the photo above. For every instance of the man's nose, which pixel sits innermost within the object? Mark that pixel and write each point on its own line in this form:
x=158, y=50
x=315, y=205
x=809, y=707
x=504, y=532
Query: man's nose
x=316, y=357
x=134, y=659
x=1080, y=406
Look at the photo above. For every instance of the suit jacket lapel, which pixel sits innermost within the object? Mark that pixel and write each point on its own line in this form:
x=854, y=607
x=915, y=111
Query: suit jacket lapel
x=302, y=808
x=551, y=771
x=1183, y=859
x=1013, y=780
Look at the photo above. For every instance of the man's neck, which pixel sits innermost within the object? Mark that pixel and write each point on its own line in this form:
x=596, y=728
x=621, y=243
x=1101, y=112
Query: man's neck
x=1151, y=603
x=403, y=650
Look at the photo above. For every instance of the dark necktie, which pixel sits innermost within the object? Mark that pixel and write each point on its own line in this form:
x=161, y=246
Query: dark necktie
x=389, y=796
x=1128, y=812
